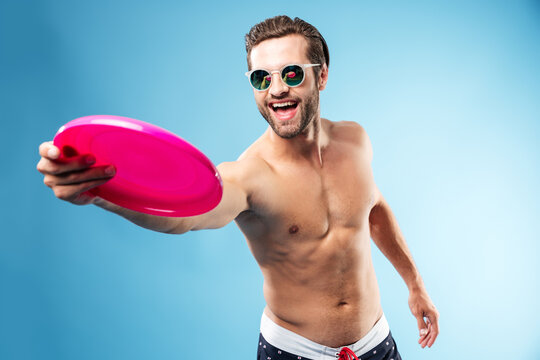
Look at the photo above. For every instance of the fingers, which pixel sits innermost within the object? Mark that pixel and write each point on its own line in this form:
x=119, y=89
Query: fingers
x=422, y=326
x=77, y=193
x=72, y=176
x=50, y=162
x=433, y=319
x=424, y=339
x=48, y=150
x=424, y=331
x=78, y=177
x=80, y=162
x=432, y=330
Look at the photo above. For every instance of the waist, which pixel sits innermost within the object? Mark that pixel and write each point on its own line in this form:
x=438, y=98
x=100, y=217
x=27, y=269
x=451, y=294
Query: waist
x=294, y=343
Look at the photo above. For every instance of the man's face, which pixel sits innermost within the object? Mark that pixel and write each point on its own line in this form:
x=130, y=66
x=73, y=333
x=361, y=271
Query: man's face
x=273, y=54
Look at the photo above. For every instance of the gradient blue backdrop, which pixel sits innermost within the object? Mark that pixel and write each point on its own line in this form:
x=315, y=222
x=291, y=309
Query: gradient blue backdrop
x=449, y=94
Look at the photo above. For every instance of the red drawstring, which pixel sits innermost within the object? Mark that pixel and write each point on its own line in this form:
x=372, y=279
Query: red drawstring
x=347, y=354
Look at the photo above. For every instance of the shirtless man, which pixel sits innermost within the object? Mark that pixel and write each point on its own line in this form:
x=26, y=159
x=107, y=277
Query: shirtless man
x=304, y=196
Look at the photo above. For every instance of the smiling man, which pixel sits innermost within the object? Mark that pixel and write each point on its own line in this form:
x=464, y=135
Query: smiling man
x=304, y=196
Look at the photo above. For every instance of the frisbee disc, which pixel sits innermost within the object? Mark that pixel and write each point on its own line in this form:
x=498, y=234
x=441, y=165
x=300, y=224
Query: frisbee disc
x=157, y=172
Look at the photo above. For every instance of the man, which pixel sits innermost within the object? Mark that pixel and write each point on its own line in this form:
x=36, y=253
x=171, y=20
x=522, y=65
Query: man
x=304, y=196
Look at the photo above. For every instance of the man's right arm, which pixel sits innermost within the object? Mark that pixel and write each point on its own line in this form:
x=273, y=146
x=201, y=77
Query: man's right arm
x=71, y=180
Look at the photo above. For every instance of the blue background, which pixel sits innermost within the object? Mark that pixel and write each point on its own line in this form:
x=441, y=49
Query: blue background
x=449, y=94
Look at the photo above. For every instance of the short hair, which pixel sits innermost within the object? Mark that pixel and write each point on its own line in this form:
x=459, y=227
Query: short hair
x=283, y=25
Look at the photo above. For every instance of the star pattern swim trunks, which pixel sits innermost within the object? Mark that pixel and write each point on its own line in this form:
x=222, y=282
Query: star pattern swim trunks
x=386, y=350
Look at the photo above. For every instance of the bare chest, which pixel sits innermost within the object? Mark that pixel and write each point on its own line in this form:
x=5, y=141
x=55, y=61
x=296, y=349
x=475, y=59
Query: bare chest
x=307, y=202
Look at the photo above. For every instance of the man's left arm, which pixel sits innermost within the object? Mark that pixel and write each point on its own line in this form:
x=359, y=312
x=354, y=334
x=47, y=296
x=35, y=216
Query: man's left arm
x=387, y=236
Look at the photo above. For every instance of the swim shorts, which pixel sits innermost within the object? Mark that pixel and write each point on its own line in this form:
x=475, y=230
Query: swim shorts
x=278, y=343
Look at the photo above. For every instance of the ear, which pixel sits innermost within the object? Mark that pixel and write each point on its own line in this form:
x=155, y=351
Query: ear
x=323, y=77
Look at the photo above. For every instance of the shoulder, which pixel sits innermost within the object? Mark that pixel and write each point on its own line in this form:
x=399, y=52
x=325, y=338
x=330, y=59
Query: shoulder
x=243, y=164
x=245, y=172
x=242, y=168
x=247, y=164
x=246, y=176
x=353, y=133
x=351, y=130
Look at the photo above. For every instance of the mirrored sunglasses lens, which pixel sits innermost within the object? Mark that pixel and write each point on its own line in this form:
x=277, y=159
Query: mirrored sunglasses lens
x=260, y=79
x=292, y=75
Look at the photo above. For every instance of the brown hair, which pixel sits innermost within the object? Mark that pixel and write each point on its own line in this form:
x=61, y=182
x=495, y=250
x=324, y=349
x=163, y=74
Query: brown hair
x=283, y=25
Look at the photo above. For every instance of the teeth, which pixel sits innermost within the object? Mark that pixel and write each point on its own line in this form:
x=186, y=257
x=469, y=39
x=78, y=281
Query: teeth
x=283, y=104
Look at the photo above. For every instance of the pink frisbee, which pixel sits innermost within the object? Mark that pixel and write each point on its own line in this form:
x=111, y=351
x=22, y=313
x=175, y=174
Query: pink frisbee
x=157, y=172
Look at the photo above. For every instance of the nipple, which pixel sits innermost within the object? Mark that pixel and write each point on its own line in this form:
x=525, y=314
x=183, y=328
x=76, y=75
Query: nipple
x=293, y=229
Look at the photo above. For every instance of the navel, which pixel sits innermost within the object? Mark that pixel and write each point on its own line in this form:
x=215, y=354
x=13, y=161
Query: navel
x=293, y=229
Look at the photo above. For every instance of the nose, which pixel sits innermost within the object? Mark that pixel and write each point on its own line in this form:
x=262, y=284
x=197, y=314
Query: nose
x=277, y=86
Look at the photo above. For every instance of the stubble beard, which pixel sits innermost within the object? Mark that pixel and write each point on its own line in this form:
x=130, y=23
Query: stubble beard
x=308, y=109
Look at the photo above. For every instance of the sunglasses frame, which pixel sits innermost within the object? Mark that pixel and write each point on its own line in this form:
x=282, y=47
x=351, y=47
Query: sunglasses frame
x=303, y=66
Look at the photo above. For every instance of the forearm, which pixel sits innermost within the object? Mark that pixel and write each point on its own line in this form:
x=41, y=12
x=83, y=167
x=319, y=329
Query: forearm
x=387, y=236
x=156, y=223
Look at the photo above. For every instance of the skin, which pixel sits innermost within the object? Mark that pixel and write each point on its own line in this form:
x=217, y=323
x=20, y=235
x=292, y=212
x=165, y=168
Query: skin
x=307, y=205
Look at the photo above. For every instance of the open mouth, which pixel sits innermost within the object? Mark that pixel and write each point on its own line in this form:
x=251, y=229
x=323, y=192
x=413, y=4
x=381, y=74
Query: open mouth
x=284, y=110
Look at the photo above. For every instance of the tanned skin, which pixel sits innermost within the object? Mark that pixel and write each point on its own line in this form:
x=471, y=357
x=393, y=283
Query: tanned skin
x=304, y=196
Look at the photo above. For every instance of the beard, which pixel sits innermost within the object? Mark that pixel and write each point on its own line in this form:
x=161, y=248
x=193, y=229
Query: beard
x=288, y=129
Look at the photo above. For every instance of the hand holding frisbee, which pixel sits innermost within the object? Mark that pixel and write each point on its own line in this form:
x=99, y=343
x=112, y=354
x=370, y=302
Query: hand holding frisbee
x=157, y=172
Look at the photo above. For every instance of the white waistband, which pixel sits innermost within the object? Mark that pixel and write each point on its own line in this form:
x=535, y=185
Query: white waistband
x=296, y=344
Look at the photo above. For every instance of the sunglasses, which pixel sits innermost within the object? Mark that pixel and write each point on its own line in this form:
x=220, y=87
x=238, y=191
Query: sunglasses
x=292, y=75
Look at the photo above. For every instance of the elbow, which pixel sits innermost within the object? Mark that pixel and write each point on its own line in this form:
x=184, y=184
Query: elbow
x=377, y=217
x=177, y=230
x=179, y=226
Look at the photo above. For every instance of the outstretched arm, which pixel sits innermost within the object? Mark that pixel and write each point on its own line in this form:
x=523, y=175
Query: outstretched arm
x=71, y=179
x=233, y=202
x=387, y=236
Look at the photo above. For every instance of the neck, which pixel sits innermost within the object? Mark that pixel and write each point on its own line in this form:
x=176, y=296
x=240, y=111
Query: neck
x=309, y=144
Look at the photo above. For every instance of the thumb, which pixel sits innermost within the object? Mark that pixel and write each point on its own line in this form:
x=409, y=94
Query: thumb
x=422, y=326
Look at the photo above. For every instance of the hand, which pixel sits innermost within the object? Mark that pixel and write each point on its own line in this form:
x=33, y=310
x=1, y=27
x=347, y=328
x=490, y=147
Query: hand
x=422, y=308
x=71, y=178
